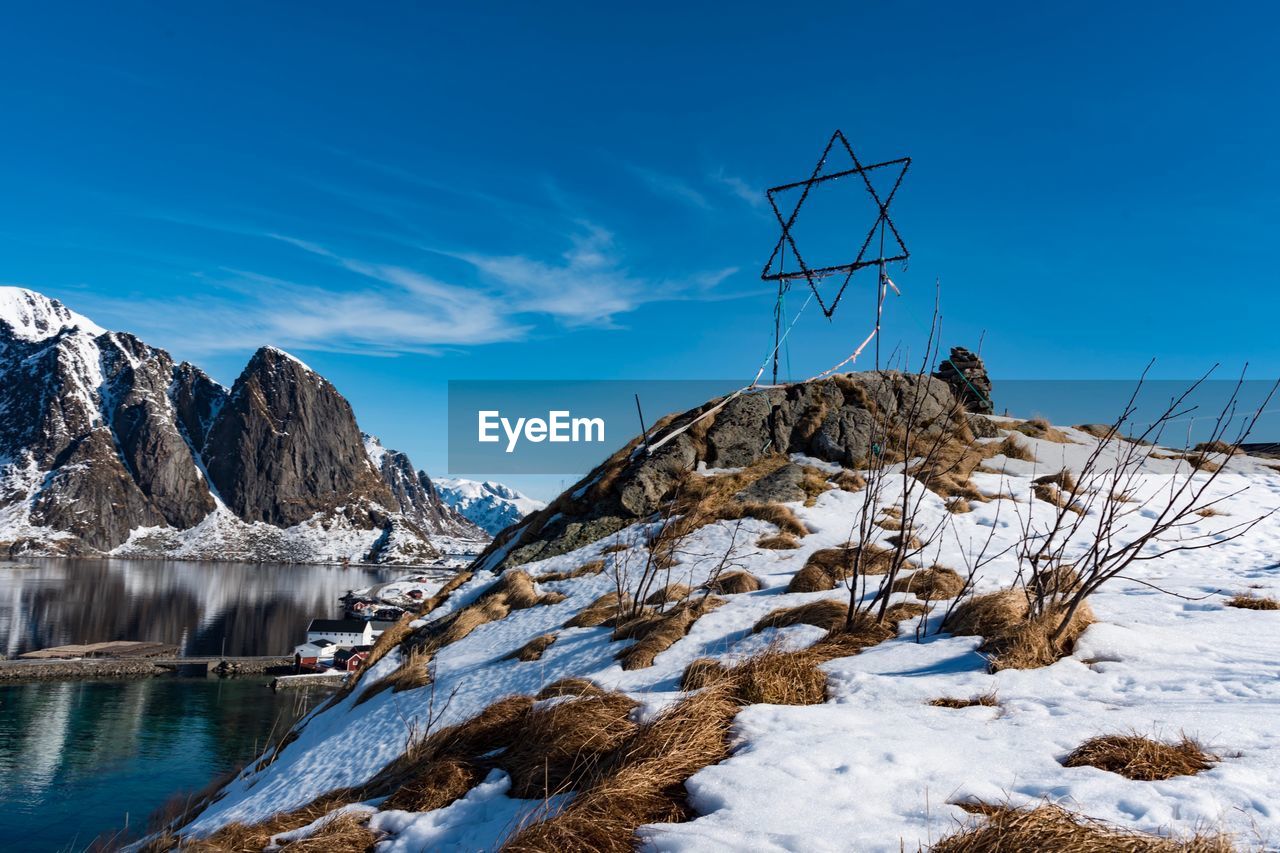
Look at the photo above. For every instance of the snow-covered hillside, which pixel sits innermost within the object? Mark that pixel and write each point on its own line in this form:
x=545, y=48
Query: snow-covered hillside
x=490, y=505
x=869, y=763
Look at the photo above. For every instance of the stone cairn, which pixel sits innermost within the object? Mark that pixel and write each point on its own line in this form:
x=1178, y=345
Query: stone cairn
x=967, y=376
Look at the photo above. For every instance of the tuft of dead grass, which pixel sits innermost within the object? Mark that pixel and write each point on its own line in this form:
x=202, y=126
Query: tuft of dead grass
x=778, y=542
x=776, y=514
x=558, y=743
x=827, y=566
x=1246, y=601
x=959, y=506
x=614, y=549
x=932, y=584
x=594, y=567
x=604, y=609
x=641, y=782
x=1011, y=448
x=777, y=677
x=1012, y=639
x=702, y=672
x=1004, y=829
x=533, y=649
x=1043, y=430
x=571, y=687
x=814, y=482
x=435, y=785
x=654, y=633
x=733, y=583
x=1141, y=758
x=826, y=613
x=670, y=594
x=986, y=700
x=850, y=481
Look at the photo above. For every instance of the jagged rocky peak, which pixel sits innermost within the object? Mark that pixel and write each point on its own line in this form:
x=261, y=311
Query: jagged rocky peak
x=107, y=446
x=493, y=506
x=31, y=316
x=416, y=495
x=285, y=446
x=833, y=420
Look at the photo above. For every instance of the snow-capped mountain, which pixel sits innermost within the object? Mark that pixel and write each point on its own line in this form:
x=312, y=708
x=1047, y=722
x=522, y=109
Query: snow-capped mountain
x=109, y=447
x=490, y=505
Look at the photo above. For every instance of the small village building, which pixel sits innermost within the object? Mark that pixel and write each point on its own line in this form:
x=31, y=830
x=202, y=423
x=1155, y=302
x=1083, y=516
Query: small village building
x=341, y=632
x=313, y=654
x=349, y=660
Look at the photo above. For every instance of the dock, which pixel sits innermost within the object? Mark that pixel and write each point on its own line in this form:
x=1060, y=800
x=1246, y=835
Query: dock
x=131, y=659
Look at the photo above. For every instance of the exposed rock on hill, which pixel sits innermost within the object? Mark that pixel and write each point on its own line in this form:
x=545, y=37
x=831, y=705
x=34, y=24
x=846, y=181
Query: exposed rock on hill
x=107, y=446
x=831, y=420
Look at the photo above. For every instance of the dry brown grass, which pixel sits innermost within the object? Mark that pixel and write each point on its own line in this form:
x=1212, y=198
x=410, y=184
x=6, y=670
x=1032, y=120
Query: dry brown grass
x=1136, y=757
x=1052, y=828
x=986, y=700
x=733, y=583
x=826, y=613
x=1095, y=430
x=1246, y=601
x=414, y=671
x=888, y=523
x=559, y=743
x=669, y=594
x=604, y=609
x=1011, y=448
x=444, y=592
x=959, y=506
x=594, y=567
x=850, y=481
x=615, y=549
x=1011, y=639
x=238, y=837
x=641, y=782
x=1209, y=512
x=533, y=649
x=1042, y=429
x=776, y=514
x=932, y=584
x=827, y=566
x=814, y=483
x=777, y=677
x=811, y=578
x=907, y=541
x=778, y=542
x=571, y=687
x=436, y=784
x=701, y=673
x=654, y=633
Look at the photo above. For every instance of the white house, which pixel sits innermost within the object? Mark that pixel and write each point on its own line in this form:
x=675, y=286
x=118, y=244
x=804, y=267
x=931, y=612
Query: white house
x=341, y=632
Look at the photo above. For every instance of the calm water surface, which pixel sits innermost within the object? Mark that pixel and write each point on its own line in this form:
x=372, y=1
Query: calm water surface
x=80, y=758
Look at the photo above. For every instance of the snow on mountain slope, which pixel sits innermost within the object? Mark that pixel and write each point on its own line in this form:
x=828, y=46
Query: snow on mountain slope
x=34, y=317
x=875, y=767
x=490, y=505
x=108, y=446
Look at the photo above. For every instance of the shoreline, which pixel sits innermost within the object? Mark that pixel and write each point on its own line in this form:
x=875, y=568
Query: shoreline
x=90, y=669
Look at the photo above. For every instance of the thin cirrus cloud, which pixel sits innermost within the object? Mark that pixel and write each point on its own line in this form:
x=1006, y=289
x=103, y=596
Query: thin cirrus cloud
x=398, y=309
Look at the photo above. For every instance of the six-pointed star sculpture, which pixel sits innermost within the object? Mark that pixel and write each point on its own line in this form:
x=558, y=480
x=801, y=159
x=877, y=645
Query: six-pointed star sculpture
x=894, y=250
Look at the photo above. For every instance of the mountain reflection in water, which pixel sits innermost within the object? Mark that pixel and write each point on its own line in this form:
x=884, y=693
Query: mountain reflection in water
x=255, y=609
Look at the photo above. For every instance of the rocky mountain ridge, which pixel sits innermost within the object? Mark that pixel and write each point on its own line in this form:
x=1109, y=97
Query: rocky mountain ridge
x=492, y=506
x=107, y=446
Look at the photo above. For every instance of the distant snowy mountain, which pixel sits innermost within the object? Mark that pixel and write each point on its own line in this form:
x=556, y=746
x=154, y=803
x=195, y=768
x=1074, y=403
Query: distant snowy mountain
x=491, y=505
x=109, y=447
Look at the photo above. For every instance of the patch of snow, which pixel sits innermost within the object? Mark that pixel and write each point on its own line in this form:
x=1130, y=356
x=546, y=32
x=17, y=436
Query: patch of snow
x=491, y=506
x=35, y=317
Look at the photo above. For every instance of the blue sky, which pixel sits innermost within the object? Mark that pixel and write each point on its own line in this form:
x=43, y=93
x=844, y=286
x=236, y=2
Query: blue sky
x=405, y=194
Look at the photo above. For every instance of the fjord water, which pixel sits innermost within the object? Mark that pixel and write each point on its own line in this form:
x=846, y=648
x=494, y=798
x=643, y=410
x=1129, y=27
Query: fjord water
x=77, y=757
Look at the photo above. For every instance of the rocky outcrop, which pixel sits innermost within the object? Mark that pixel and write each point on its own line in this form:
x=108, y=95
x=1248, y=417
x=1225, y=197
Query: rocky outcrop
x=106, y=445
x=492, y=506
x=967, y=377
x=285, y=446
x=415, y=494
x=834, y=420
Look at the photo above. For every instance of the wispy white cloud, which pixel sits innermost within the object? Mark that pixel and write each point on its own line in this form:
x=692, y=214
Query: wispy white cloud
x=669, y=186
x=739, y=188
x=385, y=309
